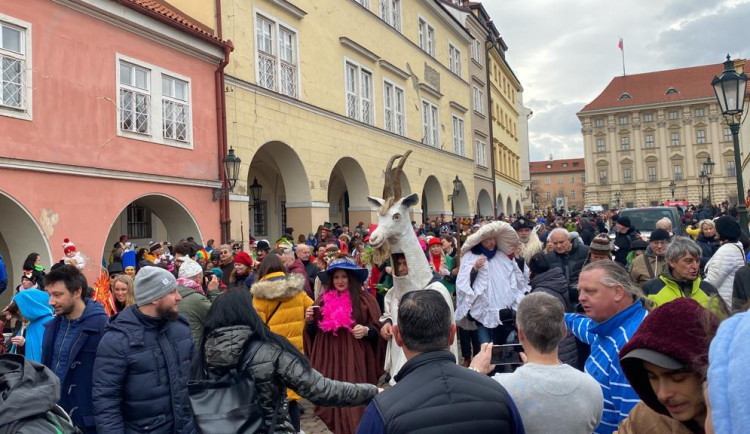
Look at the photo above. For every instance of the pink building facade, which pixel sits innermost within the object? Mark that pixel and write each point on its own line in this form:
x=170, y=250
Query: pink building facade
x=109, y=125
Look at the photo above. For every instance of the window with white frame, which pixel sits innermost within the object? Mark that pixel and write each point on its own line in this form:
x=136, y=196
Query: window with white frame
x=672, y=115
x=727, y=134
x=478, y=100
x=698, y=112
x=623, y=120
x=276, y=56
x=675, y=139
x=730, y=169
x=394, y=114
x=153, y=104
x=700, y=136
x=426, y=37
x=476, y=51
x=627, y=175
x=454, y=59
x=678, y=172
x=549, y=195
x=572, y=194
x=175, y=108
x=600, y=145
x=599, y=122
x=648, y=117
x=572, y=177
x=390, y=12
x=430, y=124
x=13, y=66
x=651, y=173
x=481, y=152
x=548, y=179
x=359, y=94
x=559, y=179
x=649, y=141
x=625, y=143
x=603, y=176
x=459, y=146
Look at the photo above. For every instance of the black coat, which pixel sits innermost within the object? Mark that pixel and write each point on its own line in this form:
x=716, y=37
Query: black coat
x=140, y=375
x=622, y=245
x=708, y=248
x=741, y=288
x=587, y=232
x=567, y=261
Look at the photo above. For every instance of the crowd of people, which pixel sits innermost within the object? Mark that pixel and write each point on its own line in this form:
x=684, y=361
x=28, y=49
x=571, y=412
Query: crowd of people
x=390, y=328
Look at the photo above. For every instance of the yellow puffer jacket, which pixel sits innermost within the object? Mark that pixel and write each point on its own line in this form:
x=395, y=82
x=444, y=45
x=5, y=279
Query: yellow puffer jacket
x=288, y=293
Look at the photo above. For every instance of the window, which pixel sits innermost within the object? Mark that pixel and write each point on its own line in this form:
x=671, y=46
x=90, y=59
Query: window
x=549, y=195
x=481, y=153
x=623, y=120
x=454, y=59
x=572, y=194
x=260, y=217
x=649, y=141
x=138, y=221
x=175, y=108
x=476, y=51
x=625, y=143
x=135, y=98
x=698, y=112
x=560, y=193
x=393, y=102
x=478, y=100
x=678, y=172
x=652, y=174
x=600, y=145
x=548, y=179
x=15, y=50
x=671, y=91
x=359, y=95
x=627, y=175
x=603, y=176
x=458, y=136
x=727, y=134
x=426, y=37
x=583, y=177
x=572, y=177
x=675, y=139
x=598, y=122
x=672, y=115
x=390, y=12
x=559, y=179
x=430, y=124
x=624, y=96
x=648, y=117
x=730, y=169
x=276, y=56
x=549, y=166
x=365, y=3
x=700, y=136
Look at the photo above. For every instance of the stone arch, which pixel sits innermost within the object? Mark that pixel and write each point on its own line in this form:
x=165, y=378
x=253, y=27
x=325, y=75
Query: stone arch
x=153, y=217
x=626, y=161
x=461, y=207
x=20, y=234
x=518, y=207
x=347, y=192
x=509, y=206
x=602, y=162
x=279, y=170
x=651, y=159
x=500, y=204
x=484, y=203
x=433, y=201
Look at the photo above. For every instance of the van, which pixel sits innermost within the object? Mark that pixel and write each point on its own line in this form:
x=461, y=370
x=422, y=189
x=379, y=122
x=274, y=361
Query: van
x=644, y=219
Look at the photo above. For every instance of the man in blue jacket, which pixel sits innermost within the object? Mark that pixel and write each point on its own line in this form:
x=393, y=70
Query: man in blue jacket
x=70, y=341
x=143, y=363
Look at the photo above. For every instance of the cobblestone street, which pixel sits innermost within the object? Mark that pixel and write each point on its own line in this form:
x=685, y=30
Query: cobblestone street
x=310, y=423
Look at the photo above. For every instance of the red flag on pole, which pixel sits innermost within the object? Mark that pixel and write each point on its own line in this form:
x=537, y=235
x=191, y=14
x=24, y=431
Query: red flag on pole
x=619, y=45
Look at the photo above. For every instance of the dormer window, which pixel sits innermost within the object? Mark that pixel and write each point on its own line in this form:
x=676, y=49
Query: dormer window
x=624, y=96
x=549, y=166
x=672, y=91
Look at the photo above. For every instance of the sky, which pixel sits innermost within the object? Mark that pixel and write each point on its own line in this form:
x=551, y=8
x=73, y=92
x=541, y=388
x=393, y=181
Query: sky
x=565, y=52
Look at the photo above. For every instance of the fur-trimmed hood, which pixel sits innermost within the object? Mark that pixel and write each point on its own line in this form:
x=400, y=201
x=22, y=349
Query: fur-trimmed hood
x=506, y=236
x=279, y=287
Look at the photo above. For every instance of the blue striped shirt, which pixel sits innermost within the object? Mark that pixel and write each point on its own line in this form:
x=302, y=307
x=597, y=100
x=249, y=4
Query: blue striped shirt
x=606, y=340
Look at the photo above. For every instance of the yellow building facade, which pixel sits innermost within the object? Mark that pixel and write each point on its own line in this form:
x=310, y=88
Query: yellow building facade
x=319, y=95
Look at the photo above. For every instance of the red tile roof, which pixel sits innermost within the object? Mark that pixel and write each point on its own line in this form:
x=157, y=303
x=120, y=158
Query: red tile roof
x=171, y=14
x=537, y=167
x=651, y=87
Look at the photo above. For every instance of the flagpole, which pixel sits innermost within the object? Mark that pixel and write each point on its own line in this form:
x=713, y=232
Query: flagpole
x=623, y=61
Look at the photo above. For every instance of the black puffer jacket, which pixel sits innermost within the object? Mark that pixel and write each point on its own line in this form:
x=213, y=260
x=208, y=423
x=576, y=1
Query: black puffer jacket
x=709, y=246
x=553, y=283
x=587, y=232
x=567, y=261
x=275, y=370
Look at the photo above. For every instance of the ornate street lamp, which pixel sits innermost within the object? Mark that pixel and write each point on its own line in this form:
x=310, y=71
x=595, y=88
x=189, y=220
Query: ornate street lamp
x=672, y=186
x=255, y=191
x=617, y=200
x=730, y=89
x=708, y=169
x=457, y=185
x=702, y=177
x=231, y=174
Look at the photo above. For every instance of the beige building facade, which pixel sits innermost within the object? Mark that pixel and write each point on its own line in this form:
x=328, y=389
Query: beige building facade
x=558, y=184
x=645, y=131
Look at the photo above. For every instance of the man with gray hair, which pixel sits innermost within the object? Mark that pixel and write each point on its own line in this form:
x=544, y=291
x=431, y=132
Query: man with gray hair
x=551, y=396
x=681, y=278
x=565, y=254
x=293, y=264
x=666, y=224
x=614, y=308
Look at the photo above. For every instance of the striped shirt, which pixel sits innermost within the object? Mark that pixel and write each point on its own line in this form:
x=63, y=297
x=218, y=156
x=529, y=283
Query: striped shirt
x=606, y=340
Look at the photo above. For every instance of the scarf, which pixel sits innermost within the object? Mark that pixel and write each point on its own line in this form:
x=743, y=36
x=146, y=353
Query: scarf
x=39, y=267
x=481, y=250
x=336, y=312
x=191, y=284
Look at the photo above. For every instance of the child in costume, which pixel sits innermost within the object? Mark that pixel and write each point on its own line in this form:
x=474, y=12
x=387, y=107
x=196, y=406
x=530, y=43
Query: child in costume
x=72, y=255
x=128, y=262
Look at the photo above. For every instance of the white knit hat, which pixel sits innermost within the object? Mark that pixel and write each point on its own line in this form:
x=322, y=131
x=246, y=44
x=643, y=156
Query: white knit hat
x=189, y=269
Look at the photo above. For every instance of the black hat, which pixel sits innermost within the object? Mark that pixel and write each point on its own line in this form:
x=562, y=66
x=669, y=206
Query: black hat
x=538, y=263
x=115, y=268
x=523, y=223
x=638, y=245
x=624, y=221
x=153, y=246
x=263, y=245
x=659, y=235
x=728, y=228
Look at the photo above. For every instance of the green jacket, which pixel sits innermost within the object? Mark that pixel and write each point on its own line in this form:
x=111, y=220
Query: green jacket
x=665, y=288
x=194, y=307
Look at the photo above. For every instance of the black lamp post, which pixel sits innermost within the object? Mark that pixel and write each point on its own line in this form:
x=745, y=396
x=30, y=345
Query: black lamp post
x=702, y=177
x=730, y=89
x=231, y=173
x=255, y=191
x=457, y=185
x=617, y=200
x=708, y=169
x=672, y=186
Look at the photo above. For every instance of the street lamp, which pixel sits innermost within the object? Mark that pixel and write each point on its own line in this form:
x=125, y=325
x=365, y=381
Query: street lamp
x=730, y=89
x=708, y=169
x=528, y=191
x=672, y=186
x=457, y=184
x=255, y=191
x=231, y=173
x=617, y=199
x=702, y=177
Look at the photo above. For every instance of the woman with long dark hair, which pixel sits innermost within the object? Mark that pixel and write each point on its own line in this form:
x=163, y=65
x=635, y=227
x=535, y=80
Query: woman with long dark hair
x=33, y=263
x=232, y=324
x=342, y=338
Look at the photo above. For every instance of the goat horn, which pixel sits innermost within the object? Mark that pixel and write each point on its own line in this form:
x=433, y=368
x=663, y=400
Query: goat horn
x=397, y=176
x=388, y=190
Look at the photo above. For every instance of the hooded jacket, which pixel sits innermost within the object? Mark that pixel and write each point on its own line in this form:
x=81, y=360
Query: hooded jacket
x=34, y=306
x=708, y=246
x=728, y=379
x=722, y=266
x=298, y=267
x=274, y=370
x=622, y=245
x=553, y=283
x=666, y=288
x=76, y=397
x=194, y=306
x=639, y=269
x=587, y=232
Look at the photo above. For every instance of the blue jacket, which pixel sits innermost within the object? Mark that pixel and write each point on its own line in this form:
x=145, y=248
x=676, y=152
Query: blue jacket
x=80, y=347
x=3, y=275
x=140, y=376
x=606, y=340
x=34, y=306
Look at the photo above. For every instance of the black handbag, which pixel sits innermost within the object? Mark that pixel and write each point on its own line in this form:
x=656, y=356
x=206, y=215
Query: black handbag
x=228, y=403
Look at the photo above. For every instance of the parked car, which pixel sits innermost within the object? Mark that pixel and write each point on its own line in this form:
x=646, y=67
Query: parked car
x=644, y=219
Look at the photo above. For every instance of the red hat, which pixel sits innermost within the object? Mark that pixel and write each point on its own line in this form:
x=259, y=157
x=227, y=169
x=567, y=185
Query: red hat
x=243, y=258
x=434, y=241
x=68, y=246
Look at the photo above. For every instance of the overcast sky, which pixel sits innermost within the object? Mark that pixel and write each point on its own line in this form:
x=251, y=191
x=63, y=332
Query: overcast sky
x=565, y=52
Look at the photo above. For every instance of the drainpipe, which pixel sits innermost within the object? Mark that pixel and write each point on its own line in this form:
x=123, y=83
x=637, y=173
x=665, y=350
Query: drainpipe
x=221, y=131
x=489, y=112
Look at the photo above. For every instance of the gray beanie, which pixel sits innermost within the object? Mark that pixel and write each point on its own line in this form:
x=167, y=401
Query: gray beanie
x=151, y=284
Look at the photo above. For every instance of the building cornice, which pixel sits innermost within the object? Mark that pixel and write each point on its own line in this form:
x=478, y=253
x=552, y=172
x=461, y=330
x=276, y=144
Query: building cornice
x=450, y=20
x=290, y=8
x=430, y=91
x=393, y=69
x=250, y=87
x=456, y=106
x=630, y=108
x=367, y=54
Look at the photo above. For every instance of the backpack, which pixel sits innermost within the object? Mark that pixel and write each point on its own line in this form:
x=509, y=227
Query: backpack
x=54, y=421
x=227, y=403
